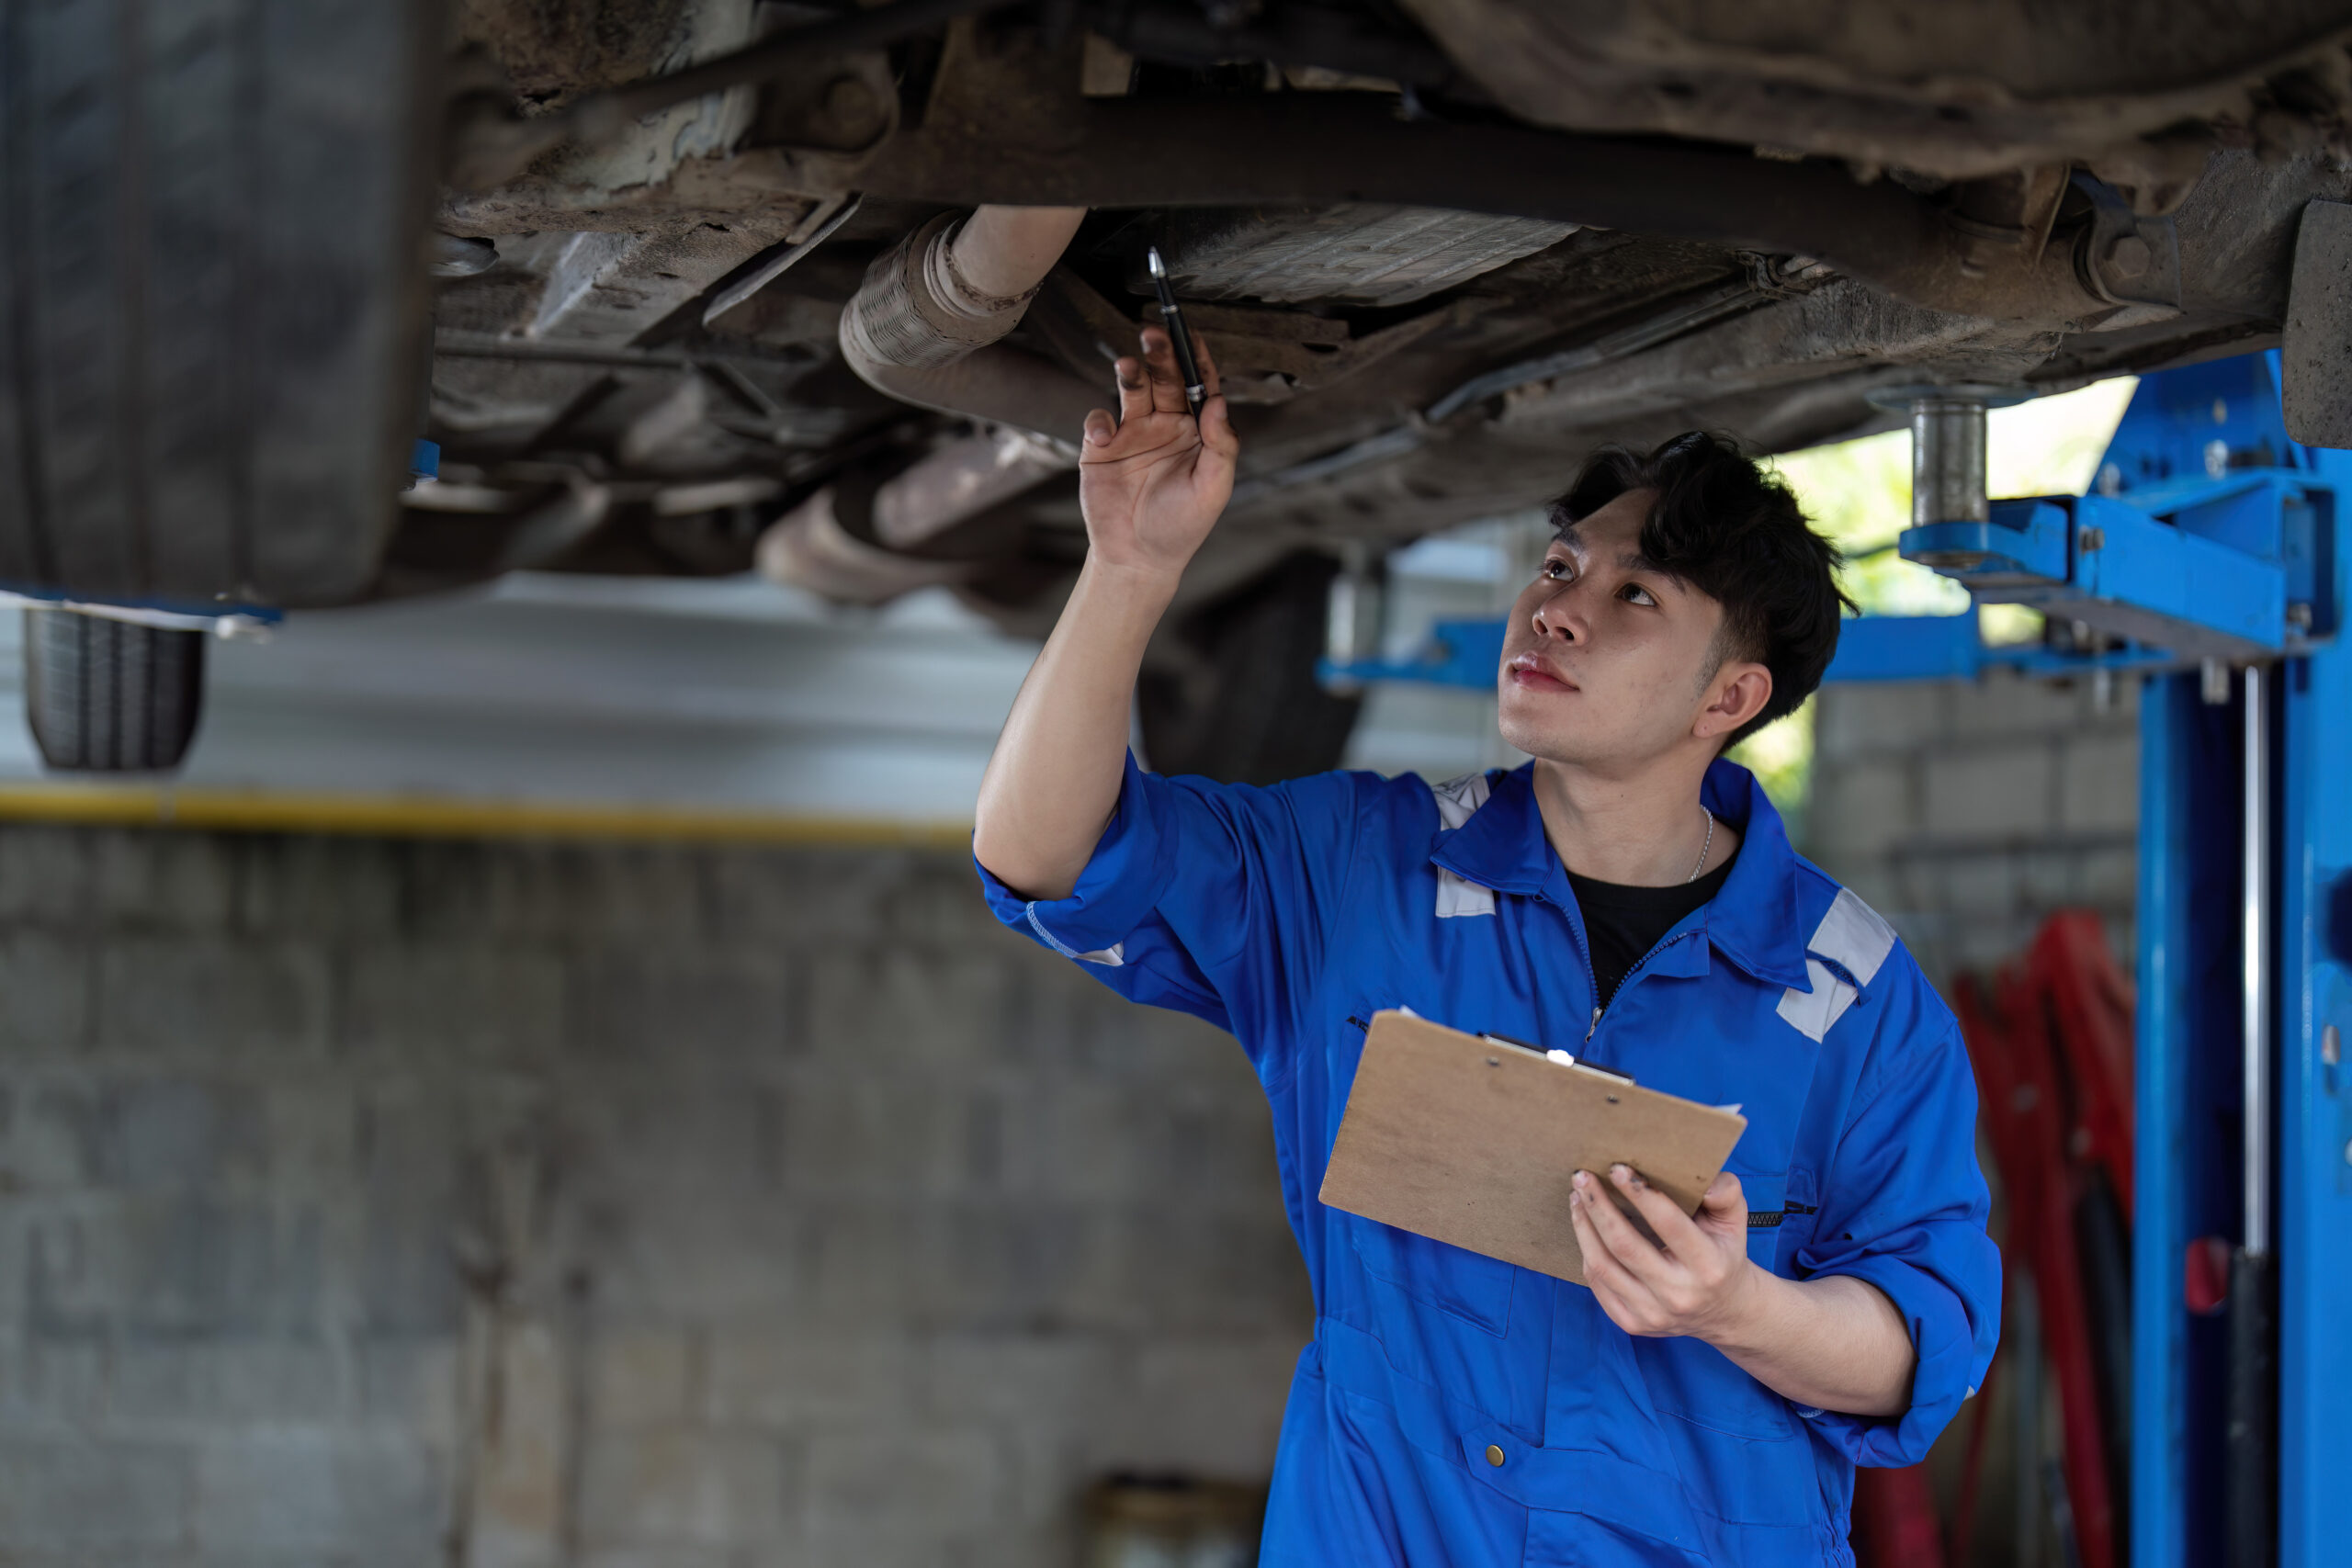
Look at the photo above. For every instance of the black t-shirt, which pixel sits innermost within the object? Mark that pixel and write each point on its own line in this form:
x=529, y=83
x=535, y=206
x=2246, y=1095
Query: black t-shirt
x=1622, y=923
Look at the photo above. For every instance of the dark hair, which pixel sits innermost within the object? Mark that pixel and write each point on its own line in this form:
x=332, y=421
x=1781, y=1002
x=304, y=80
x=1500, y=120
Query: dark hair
x=1726, y=526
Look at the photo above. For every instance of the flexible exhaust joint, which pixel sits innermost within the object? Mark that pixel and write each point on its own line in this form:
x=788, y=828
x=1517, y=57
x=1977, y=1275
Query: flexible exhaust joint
x=926, y=327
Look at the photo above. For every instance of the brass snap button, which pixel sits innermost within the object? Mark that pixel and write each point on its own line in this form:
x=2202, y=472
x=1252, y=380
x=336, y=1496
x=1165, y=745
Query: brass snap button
x=1494, y=1453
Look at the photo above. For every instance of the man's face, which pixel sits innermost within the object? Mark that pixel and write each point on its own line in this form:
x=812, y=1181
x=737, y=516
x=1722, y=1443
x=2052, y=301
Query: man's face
x=1607, y=661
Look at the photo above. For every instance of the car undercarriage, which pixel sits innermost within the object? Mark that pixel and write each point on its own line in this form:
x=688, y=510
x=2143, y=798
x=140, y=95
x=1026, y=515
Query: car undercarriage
x=1440, y=249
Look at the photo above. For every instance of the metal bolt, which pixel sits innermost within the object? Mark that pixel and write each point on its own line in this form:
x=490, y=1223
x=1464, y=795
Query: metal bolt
x=2130, y=255
x=2215, y=682
x=2347, y=1153
x=2331, y=1046
x=2091, y=538
x=850, y=107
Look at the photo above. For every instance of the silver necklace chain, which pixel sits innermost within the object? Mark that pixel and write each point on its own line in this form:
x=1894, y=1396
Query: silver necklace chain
x=1704, y=847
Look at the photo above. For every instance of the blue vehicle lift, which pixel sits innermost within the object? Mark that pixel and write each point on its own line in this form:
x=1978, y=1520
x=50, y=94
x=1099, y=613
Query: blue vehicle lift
x=2206, y=562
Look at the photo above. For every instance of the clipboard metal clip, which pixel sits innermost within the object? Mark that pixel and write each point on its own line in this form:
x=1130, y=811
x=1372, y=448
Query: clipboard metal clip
x=1562, y=1057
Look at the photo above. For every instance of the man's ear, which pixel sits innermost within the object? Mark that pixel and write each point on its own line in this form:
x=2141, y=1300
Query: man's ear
x=1735, y=696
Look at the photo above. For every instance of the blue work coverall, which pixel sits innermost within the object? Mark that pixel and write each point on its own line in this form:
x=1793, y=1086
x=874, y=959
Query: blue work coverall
x=1454, y=1409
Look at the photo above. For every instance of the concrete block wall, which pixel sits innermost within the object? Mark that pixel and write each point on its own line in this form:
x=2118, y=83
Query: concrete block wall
x=1966, y=812
x=375, y=1203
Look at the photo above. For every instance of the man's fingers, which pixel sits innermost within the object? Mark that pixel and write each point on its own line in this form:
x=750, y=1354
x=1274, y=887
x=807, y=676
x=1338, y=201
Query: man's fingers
x=1665, y=1215
x=1628, y=1244
x=1208, y=363
x=1625, y=1296
x=1724, y=1206
x=1159, y=363
x=1599, y=1262
x=1220, y=448
x=1135, y=389
x=1100, y=428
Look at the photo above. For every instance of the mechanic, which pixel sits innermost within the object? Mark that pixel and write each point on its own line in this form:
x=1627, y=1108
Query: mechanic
x=1628, y=895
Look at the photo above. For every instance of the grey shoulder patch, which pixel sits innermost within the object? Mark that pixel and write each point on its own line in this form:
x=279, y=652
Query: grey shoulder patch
x=1852, y=935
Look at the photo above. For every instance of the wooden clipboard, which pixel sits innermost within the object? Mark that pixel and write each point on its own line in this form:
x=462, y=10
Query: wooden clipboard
x=1465, y=1139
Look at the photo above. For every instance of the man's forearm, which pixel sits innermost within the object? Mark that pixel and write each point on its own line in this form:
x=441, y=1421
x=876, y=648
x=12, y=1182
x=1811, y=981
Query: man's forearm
x=1053, y=780
x=1835, y=1343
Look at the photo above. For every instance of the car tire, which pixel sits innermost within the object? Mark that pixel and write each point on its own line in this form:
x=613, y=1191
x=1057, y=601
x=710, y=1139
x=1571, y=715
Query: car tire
x=213, y=295
x=106, y=696
x=1251, y=710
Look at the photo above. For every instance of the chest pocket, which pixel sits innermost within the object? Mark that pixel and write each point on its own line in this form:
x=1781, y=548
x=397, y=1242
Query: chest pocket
x=1468, y=1285
x=1782, y=1210
x=1768, y=1214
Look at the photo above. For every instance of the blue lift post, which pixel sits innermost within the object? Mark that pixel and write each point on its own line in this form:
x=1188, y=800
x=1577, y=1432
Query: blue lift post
x=2205, y=561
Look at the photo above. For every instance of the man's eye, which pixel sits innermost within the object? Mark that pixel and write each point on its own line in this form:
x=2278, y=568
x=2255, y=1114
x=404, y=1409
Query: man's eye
x=1638, y=594
x=1555, y=570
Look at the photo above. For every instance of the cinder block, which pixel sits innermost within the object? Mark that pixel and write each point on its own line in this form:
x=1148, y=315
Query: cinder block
x=45, y=875
x=908, y=1478
x=786, y=1376
x=2110, y=881
x=1862, y=808
x=1209, y=1406
x=2048, y=879
x=642, y=1376
x=668, y=1555
x=1199, y=1273
x=1056, y=1381
x=313, y=886
x=318, y=1490
x=673, y=1258
x=1981, y=887
x=54, y=1381
x=937, y=1010
x=181, y=1133
x=49, y=1141
x=2101, y=783
x=515, y=1509
x=411, y=1386
x=763, y=900
x=211, y=1001
x=2004, y=792
x=1857, y=719
x=1108, y=1036
x=555, y=891
x=222, y=1383
x=172, y=1264
x=66, y=1492
x=674, y=1008
x=465, y=1005
x=46, y=994
x=938, y=901
x=160, y=879
x=686, y=1486
x=412, y=1156
x=889, y=1136
x=1999, y=704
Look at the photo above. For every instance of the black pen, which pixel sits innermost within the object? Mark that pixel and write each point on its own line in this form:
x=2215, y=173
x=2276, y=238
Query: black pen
x=1196, y=392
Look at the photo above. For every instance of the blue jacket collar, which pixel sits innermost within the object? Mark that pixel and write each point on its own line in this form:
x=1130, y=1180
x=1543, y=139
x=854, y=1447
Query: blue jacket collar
x=1752, y=922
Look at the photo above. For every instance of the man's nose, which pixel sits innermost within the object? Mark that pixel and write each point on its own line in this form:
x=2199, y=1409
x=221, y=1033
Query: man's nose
x=1556, y=614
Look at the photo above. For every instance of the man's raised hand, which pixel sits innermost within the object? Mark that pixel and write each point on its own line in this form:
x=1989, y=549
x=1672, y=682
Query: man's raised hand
x=1152, y=482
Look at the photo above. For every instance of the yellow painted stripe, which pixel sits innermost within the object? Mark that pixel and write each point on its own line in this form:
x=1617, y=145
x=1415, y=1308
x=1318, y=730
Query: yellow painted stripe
x=419, y=816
